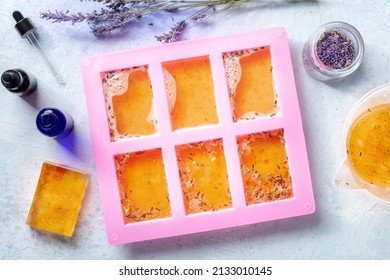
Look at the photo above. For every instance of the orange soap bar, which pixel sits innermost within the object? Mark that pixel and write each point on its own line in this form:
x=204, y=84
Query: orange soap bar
x=251, y=83
x=194, y=90
x=203, y=176
x=264, y=167
x=143, y=186
x=133, y=107
x=57, y=200
x=129, y=102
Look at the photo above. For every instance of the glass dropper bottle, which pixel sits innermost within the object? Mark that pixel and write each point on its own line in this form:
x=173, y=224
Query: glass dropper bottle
x=26, y=29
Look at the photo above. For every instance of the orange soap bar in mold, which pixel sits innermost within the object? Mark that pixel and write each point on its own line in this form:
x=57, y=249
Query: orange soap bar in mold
x=191, y=82
x=129, y=101
x=250, y=83
x=203, y=176
x=58, y=198
x=264, y=167
x=143, y=187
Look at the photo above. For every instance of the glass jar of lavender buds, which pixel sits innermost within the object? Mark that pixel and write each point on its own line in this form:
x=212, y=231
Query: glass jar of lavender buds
x=334, y=51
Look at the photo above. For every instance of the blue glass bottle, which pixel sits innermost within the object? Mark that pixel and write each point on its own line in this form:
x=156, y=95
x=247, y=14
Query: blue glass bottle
x=54, y=123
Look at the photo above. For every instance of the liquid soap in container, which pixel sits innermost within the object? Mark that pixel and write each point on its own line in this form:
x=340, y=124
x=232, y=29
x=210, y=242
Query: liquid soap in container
x=366, y=145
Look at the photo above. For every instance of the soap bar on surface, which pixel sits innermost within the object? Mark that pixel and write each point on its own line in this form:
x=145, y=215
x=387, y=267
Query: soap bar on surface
x=57, y=200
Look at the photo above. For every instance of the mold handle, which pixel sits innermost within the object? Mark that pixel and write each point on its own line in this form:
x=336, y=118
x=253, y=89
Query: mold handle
x=344, y=179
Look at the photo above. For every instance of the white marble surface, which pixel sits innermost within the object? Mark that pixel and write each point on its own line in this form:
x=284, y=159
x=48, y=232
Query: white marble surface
x=346, y=225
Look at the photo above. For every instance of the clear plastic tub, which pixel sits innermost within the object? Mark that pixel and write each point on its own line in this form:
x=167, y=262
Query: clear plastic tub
x=351, y=175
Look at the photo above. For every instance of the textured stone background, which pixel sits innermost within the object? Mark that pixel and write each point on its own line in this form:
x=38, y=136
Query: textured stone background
x=346, y=225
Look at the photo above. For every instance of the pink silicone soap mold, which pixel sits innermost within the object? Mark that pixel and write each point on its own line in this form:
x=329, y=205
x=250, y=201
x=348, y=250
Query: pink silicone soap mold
x=197, y=135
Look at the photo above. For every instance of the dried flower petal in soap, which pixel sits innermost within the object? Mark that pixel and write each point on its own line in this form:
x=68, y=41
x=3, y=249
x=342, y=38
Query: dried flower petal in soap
x=264, y=167
x=203, y=176
x=129, y=101
x=142, y=185
x=251, y=84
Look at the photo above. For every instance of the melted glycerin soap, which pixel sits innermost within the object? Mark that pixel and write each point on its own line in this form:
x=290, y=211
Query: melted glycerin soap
x=368, y=145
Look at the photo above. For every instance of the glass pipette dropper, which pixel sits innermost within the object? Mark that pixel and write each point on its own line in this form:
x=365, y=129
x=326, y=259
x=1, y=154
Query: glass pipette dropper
x=26, y=29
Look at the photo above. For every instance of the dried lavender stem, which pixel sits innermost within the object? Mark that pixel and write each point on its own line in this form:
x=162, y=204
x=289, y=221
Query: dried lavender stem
x=118, y=13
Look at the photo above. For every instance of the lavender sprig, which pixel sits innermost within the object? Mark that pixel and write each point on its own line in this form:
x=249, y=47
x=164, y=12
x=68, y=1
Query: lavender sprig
x=116, y=14
x=66, y=16
x=173, y=34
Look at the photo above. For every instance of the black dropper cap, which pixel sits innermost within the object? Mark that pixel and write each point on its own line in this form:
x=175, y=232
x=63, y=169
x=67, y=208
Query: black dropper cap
x=10, y=79
x=23, y=25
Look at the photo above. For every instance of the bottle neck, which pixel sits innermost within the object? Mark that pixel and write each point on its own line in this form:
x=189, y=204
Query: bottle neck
x=51, y=122
x=15, y=80
x=48, y=119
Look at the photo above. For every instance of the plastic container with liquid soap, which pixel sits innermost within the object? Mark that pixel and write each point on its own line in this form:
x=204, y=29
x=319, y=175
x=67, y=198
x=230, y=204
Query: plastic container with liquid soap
x=366, y=145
